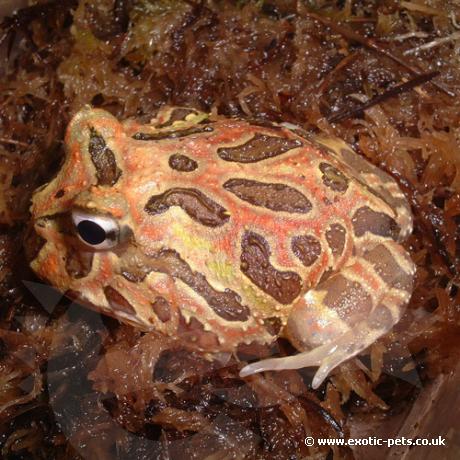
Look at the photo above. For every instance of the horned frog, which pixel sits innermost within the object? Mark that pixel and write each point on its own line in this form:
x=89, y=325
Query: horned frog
x=223, y=231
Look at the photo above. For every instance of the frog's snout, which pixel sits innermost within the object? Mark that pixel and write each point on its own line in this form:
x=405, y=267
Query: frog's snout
x=40, y=224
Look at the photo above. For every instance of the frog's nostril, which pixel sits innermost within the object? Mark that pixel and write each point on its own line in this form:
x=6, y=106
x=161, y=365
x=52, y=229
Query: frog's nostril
x=40, y=222
x=45, y=221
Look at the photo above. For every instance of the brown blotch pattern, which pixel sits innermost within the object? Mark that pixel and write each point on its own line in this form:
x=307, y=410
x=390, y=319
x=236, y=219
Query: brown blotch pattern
x=387, y=267
x=277, y=197
x=195, y=203
x=117, y=301
x=107, y=171
x=226, y=304
x=366, y=220
x=182, y=163
x=255, y=264
x=307, y=248
x=78, y=264
x=162, y=309
x=135, y=275
x=335, y=237
x=172, y=134
x=260, y=147
x=273, y=325
x=333, y=178
x=326, y=275
x=347, y=298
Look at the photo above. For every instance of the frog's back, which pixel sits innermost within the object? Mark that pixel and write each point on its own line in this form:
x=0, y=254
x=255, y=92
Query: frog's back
x=258, y=209
x=269, y=175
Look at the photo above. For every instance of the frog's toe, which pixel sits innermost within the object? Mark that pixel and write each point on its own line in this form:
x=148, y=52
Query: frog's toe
x=306, y=359
x=338, y=351
x=327, y=356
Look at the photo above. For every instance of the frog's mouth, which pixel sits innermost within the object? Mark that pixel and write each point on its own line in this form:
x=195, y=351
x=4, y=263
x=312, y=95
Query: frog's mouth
x=117, y=314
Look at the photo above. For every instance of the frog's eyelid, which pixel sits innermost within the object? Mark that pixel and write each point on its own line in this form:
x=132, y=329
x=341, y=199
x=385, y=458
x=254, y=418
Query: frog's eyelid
x=108, y=226
x=107, y=222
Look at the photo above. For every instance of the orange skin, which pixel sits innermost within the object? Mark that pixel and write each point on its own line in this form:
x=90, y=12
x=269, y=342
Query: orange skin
x=214, y=252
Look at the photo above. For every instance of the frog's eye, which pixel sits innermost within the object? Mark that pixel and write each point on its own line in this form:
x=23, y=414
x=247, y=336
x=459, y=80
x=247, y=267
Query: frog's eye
x=95, y=230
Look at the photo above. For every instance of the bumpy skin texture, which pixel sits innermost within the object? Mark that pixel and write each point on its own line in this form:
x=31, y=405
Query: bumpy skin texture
x=228, y=232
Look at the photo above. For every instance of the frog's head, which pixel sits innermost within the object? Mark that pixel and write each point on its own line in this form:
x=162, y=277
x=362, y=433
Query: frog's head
x=80, y=219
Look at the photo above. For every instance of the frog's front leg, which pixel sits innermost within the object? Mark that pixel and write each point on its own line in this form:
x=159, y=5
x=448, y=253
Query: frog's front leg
x=347, y=312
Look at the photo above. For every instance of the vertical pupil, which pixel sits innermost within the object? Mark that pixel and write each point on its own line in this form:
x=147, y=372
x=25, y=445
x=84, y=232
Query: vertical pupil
x=90, y=232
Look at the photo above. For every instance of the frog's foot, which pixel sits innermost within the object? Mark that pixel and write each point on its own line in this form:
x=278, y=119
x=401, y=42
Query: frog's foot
x=327, y=356
x=347, y=312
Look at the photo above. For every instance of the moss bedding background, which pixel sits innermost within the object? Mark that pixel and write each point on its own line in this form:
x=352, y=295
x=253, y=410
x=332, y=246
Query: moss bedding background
x=74, y=385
